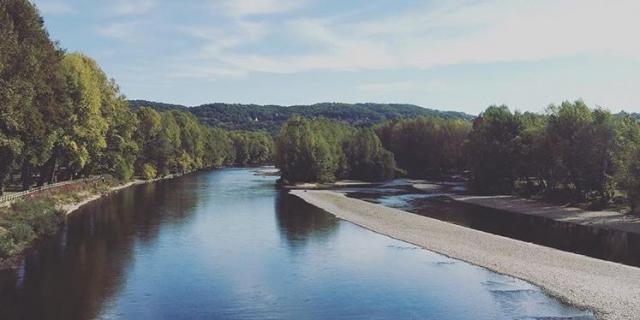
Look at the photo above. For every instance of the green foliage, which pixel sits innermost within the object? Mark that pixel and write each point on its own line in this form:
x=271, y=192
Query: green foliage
x=21, y=233
x=148, y=171
x=627, y=160
x=28, y=59
x=494, y=150
x=41, y=215
x=426, y=146
x=321, y=150
x=366, y=158
x=581, y=145
x=7, y=244
x=573, y=151
x=25, y=221
x=270, y=118
x=252, y=148
x=83, y=136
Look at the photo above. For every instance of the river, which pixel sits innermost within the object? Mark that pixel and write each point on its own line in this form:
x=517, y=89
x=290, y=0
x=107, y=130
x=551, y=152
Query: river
x=227, y=244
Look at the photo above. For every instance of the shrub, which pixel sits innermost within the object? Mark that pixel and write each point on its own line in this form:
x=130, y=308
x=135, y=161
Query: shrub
x=7, y=245
x=22, y=232
x=41, y=215
x=123, y=170
x=148, y=171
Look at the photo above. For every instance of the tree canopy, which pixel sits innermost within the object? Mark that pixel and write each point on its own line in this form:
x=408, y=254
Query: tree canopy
x=309, y=150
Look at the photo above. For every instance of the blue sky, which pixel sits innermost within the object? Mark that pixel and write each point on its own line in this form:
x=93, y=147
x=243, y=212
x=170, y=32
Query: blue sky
x=451, y=55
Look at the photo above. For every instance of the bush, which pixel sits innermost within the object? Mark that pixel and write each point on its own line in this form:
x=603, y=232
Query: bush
x=148, y=171
x=41, y=215
x=7, y=245
x=21, y=232
x=123, y=170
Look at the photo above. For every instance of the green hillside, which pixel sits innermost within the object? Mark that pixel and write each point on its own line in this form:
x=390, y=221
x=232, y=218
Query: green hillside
x=271, y=117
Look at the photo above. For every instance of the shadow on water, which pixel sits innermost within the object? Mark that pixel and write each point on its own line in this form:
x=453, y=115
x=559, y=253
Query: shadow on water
x=299, y=222
x=612, y=245
x=72, y=274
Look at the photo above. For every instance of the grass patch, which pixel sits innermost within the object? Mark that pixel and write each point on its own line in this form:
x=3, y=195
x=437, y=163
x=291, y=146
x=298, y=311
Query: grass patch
x=40, y=214
x=26, y=221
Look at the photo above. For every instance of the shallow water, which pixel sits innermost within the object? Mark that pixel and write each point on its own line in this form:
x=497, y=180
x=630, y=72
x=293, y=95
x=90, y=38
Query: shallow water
x=228, y=245
x=607, y=244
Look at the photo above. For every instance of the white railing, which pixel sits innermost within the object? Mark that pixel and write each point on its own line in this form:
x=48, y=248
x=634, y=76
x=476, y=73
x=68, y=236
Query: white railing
x=17, y=195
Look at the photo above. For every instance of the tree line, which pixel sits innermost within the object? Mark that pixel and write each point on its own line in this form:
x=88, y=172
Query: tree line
x=61, y=117
x=271, y=117
x=571, y=152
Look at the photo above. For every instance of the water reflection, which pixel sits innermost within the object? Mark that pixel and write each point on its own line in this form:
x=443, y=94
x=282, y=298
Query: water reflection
x=299, y=223
x=71, y=275
x=228, y=245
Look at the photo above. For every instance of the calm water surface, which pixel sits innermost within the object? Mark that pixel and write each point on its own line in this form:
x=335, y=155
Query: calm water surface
x=228, y=245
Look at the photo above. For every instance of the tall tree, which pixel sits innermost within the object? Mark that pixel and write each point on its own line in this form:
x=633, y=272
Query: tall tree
x=81, y=134
x=494, y=150
x=27, y=63
x=366, y=158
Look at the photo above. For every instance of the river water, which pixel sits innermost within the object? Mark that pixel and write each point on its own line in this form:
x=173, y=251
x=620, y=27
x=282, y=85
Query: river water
x=227, y=245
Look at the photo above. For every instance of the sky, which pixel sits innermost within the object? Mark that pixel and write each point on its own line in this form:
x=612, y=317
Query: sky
x=449, y=55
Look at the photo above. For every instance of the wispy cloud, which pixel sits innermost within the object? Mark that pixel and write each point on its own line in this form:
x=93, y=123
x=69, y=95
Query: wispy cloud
x=54, y=8
x=241, y=8
x=132, y=7
x=124, y=31
x=445, y=34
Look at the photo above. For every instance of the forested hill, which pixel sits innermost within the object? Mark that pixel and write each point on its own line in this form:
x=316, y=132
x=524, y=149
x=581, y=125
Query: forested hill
x=271, y=117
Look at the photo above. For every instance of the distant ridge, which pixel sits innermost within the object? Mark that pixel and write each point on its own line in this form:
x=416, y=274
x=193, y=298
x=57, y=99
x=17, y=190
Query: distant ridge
x=270, y=117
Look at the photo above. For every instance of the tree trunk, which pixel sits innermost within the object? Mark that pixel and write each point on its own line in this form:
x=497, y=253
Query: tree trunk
x=47, y=171
x=26, y=175
x=3, y=176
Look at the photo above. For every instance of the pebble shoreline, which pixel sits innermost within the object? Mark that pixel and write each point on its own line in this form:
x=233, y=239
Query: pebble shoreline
x=610, y=290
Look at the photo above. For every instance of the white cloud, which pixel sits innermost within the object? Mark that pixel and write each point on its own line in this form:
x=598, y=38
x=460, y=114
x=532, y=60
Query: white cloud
x=124, y=31
x=132, y=7
x=235, y=34
x=54, y=8
x=240, y=8
x=446, y=34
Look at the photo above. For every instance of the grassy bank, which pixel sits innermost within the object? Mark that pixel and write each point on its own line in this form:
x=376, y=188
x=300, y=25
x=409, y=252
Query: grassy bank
x=25, y=221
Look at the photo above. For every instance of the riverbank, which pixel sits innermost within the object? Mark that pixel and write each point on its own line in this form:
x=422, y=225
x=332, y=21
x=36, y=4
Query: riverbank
x=611, y=290
x=69, y=208
x=601, y=219
x=28, y=220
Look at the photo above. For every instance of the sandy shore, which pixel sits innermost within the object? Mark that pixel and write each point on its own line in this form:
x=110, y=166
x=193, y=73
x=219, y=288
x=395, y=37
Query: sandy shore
x=72, y=207
x=611, y=290
x=603, y=219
